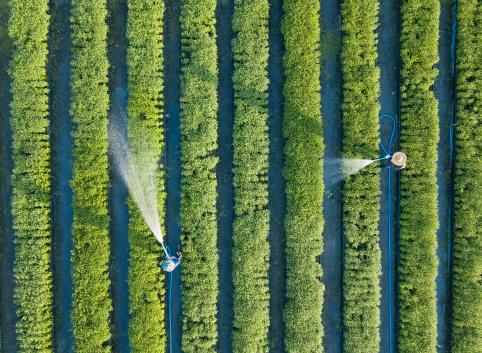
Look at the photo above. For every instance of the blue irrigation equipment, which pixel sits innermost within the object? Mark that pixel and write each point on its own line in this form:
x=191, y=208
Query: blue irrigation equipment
x=169, y=306
x=387, y=149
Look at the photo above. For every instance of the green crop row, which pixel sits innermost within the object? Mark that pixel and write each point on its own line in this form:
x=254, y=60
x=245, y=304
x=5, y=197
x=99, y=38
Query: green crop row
x=28, y=28
x=361, y=192
x=251, y=148
x=145, y=84
x=90, y=103
x=302, y=129
x=419, y=135
x=467, y=265
x=199, y=77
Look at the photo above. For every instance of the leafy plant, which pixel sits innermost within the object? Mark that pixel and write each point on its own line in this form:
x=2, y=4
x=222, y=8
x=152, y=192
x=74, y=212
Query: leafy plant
x=303, y=132
x=467, y=265
x=28, y=28
x=419, y=134
x=199, y=76
x=251, y=148
x=90, y=102
x=361, y=192
x=145, y=84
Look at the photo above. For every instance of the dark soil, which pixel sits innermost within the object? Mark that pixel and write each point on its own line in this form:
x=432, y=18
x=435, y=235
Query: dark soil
x=389, y=63
x=119, y=214
x=225, y=201
x=444, y=90
x=276, y=186
x=331, y=97
x=61, y=164
x=172, y=70
x=7, y=307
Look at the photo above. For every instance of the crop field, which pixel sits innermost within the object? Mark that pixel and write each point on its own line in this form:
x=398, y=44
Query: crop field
x=207, y=176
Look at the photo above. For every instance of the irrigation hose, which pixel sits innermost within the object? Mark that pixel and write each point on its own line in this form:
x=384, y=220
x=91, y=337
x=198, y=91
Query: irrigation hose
x=388, y=151
x=169, y=305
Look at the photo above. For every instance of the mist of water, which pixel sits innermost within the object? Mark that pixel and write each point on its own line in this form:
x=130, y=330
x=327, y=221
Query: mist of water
x=139, y=172
x=337, y=169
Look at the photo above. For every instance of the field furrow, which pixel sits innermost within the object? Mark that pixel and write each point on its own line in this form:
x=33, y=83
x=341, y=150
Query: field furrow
x=250, y=140
x=199, y=77
x=389, y=64
x=118, y=191
x=332, y=257
x=224, y=173
x=61, y=125
x=303, y=133
x=444, y=92
x=172, y=69
x=419, y=136
x=361, y=192
x=276, y=194
x=92, y=304
x=7, y=307
x=31, y=202
x=467, y=259
x=145, y=108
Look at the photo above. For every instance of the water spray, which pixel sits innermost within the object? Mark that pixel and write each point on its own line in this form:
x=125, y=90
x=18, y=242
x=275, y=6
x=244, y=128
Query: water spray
x=138, y=170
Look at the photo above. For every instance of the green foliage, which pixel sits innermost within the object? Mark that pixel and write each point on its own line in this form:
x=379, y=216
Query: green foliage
x=251, y=148
x=90, y=102
x=361, y=192
x=145, y=83
x=303, y=132
x=419, y=137
x=199, y=106
x=467, y=266
x=28, y=28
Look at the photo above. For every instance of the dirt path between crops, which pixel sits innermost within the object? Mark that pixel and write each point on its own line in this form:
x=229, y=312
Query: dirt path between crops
x=331, y=97
x=224, y=172
x=276, y=185
x=7, y=307
x=444, y=90
x=61, y=163
x=172, y=71
x=389, y=63
x=119, y=214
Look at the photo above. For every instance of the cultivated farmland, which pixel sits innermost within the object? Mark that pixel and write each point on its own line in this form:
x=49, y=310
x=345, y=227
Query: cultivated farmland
x=31, y=176
x=302, y=131
x=418, y=189
x=145, y=83
x=361, y=192
x=240, y=137
x=250, y=140
x=92, y=303
x=467, y=266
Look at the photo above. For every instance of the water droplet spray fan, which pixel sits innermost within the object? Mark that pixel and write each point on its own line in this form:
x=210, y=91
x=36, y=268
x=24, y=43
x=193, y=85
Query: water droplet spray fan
x=138, y=170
